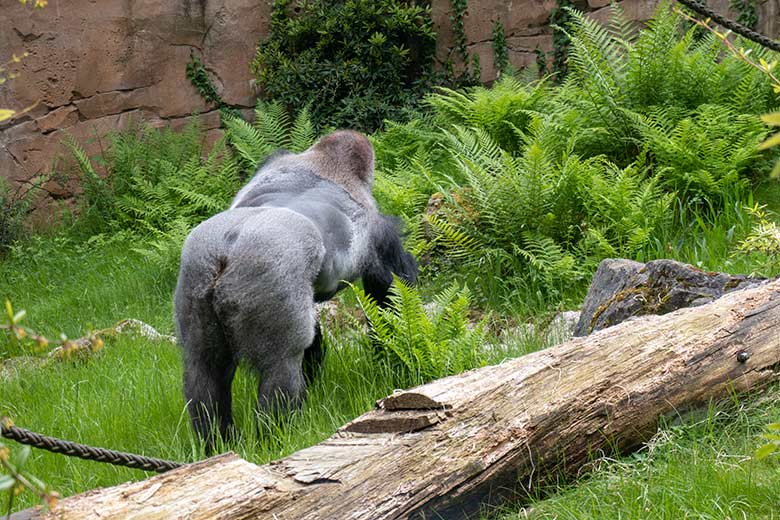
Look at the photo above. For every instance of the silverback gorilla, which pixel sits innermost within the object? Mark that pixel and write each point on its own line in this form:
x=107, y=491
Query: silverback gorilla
x=250, y=276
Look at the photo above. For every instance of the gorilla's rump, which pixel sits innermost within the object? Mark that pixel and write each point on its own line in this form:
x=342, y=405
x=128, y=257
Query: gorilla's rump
x=261, y=263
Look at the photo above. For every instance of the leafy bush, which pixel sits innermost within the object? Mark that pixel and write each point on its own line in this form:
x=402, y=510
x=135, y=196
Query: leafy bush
x=272, y=129
x=421, y=343
x=355, y=62
x=763, y=241
x=154, y=178
x=617, y=88
x=536, y=223
x=523, y=187
x=503, y=111
x=709, y=154
x=158, y=184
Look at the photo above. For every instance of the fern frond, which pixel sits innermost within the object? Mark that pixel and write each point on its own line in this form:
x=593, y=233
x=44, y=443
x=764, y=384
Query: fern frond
x=458, y=244
x=249, y=141
x=594, y=57
x=273, y=123
x=302, y=134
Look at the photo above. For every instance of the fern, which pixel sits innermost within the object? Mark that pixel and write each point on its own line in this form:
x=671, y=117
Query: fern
x=302, y=134
x=247, y=140
x=705, y=154
x=548, y=263
x=503, y=112
x=596, y=58
x=159, y=182
x=271, y=130
x=96, y=191
x=272, y=122
x=422, y=342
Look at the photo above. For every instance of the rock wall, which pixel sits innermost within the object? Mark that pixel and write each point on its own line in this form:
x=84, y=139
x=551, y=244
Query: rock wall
x=95, y=65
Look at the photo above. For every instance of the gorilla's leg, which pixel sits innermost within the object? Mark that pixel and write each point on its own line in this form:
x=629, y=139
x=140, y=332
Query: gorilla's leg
x=209, y=366
x=271, y=332
x=282, y=387
x=207, y=387
x=314, y=355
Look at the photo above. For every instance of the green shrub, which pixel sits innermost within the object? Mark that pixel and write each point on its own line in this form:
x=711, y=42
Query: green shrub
x=354, y=62
x=153, y=178
x=504, y=110
x=421, y=343
x=14, y=206
x=522, y=188
x=158, y=185
x=272, y=129
x=615, y=84
x=708, y=155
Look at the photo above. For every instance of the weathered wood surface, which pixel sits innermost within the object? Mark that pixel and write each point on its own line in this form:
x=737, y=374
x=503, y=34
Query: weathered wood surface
x=478, y=435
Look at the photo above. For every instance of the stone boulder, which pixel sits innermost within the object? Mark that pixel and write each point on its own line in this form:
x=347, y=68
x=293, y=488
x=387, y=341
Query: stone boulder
x=622, y=289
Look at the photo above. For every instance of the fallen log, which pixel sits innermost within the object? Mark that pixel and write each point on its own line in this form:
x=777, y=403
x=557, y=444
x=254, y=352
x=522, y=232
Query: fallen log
x=443, y=449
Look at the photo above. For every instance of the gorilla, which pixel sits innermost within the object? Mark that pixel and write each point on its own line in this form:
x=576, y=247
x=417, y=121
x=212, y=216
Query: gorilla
x=250, y=276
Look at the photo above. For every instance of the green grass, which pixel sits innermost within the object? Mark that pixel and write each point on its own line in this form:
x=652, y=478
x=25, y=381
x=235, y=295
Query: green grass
x=128, y=396
x=69, y=285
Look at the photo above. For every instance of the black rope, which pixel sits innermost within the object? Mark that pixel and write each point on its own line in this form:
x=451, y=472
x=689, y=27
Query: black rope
x=82, y=451
x=740, y=29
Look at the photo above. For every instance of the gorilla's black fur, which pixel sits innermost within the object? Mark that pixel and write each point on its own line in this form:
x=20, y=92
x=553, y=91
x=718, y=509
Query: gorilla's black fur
x=250, y=276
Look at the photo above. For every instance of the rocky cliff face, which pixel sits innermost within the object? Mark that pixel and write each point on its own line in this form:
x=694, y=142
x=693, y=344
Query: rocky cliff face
x=95, y=65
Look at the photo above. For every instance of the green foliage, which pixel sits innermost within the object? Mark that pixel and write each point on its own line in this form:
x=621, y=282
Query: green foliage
x=572, y=210
x=503, y=111
x=559, y=18
x=697, y=465
x=747, y=12
x=272, y=129
x=763, y=241
x=772, y=445
x=456, y=19
x=15, y=203
x=627, y=209
x=15, y=479
x=619, y=90
x=529, y=185
x=354, y=62
x=706, y=155
x=199, y=77
x=154, y=178
x=158, y=184
x=421, y=343
x=773, y=140
x=501, y=59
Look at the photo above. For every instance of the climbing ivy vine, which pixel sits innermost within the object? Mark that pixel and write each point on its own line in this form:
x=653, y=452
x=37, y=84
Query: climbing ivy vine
x=559, y=19
x=499, y=47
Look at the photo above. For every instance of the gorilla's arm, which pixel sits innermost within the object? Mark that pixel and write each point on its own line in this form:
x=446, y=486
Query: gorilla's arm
x=391, y=258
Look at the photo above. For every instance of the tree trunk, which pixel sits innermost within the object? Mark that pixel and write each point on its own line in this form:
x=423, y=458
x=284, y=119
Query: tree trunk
x=443, y=449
